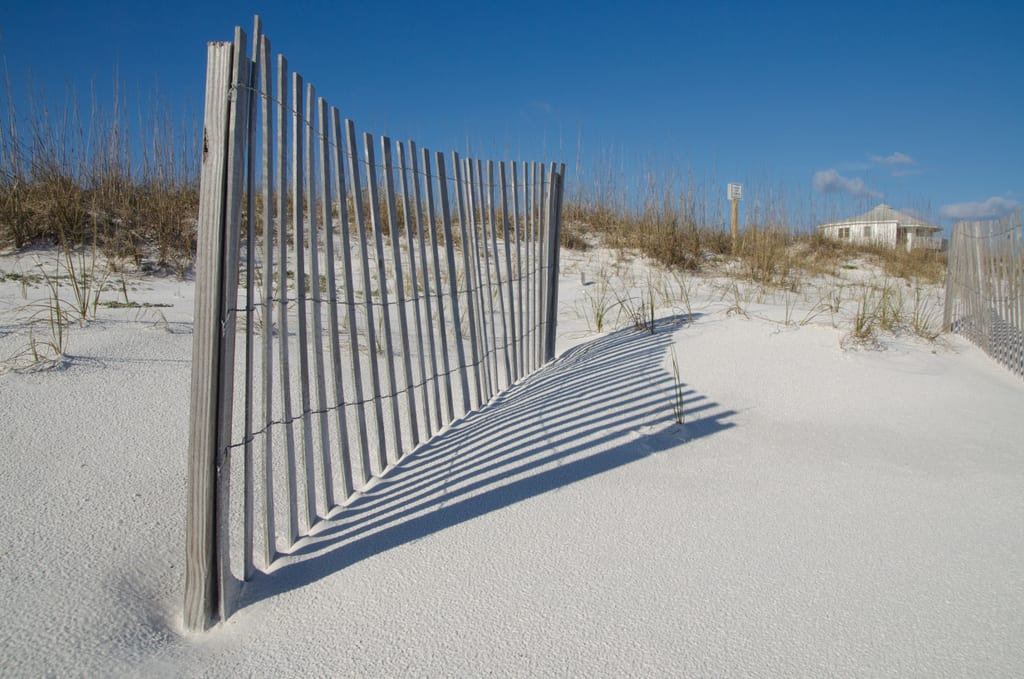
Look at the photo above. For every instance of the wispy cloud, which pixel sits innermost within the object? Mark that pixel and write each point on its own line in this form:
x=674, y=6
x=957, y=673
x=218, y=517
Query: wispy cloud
x=541, y=105
x=899, y=164
x=830, y=181
x=896, y=158
x=988, y=209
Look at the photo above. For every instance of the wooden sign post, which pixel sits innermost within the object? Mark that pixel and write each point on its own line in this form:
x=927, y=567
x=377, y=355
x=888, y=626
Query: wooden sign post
x=735, y=194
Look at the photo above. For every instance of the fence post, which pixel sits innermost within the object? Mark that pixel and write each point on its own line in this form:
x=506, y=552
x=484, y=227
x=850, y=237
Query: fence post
x=554, y=240
x=952, y=278
x=201, y=589
x=221, y=182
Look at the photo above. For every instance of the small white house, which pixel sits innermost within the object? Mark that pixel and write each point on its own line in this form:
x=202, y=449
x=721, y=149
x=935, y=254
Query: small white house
x=883, y=225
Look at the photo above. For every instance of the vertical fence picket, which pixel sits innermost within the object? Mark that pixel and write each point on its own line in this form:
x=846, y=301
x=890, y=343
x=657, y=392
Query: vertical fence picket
x=503, y=343
x=475, y=354
x=487, y=293
x=538, y=263
x=408, y=213
x=325, y=489
x=952, y=276
x=334, y=331
x=382, y=279
x=248, y=466
x=229, y=304
x=350, y=301
x=453, y=278
x=267, y=174
x=364, y=253
x=288, y=413
x=1002, y=295
x=299, y=183
x=201, y=547
x=511, y=338
x=403, y=320
x=432, y=220
x=426, y=222
x=520, y=309
x=554, y=243
x=472, y=251
x=528, y=346
x=541, y=211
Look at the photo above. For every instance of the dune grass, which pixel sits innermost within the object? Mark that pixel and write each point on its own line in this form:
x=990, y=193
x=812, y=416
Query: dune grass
x=72, y=177
x=98, y=189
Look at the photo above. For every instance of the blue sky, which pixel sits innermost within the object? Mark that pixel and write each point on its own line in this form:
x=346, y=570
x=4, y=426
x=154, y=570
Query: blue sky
x=827, y=107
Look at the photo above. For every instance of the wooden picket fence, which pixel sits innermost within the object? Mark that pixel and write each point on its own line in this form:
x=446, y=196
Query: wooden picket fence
x=349, y=306
x=985, y=288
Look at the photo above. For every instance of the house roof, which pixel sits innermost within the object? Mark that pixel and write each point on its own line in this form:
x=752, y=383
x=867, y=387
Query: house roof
x=883, y=213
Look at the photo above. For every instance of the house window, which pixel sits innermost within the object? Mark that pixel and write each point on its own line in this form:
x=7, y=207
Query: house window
x=867, y=232
x=844, y=232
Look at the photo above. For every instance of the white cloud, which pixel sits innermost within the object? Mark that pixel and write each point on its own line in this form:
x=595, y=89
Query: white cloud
x=896, y=158
x=989, y=209
x=830, y=181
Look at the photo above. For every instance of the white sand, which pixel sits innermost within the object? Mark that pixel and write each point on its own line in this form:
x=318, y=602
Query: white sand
x=821, y=512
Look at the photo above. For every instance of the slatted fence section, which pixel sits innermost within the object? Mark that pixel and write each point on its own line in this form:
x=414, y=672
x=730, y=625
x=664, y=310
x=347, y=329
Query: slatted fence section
x=354, y=296
x=985, y=288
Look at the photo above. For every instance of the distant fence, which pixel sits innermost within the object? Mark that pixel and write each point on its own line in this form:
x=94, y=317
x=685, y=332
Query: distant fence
x=375, y=299
x=985, y=288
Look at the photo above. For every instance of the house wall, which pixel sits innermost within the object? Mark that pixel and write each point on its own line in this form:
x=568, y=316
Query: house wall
x=883, y=233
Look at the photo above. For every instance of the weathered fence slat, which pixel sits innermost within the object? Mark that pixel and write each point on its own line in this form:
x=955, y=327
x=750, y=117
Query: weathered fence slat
x=474, y=278
x=403, y=321
x=385, y=312
x=422, y=224
x=248, y=466
x=291, y=466
x=468, y=273
x=431, y=218
x=511, y=338
x=531, y=295
x=201, y=589
x=334, y=332
x=350, y=301
x=364, y=254
x=540, y=227
x=480, y=236
x=542, y=209
x=237, y=134
x=453, y=279
x=299, y=183
x=513, y=231
x=498, y=280
x=267, y=174
x=555, y=235
x=325, y=489
x=407, y=218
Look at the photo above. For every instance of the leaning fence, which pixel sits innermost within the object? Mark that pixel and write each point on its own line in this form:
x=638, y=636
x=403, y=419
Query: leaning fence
x=985, y=288
x=349, y=306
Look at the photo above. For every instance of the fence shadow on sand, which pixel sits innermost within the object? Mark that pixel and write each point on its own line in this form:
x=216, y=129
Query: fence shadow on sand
x=600, y=406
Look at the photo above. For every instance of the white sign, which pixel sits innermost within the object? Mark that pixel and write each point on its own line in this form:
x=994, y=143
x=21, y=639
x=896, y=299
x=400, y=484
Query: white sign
x=735, y=191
